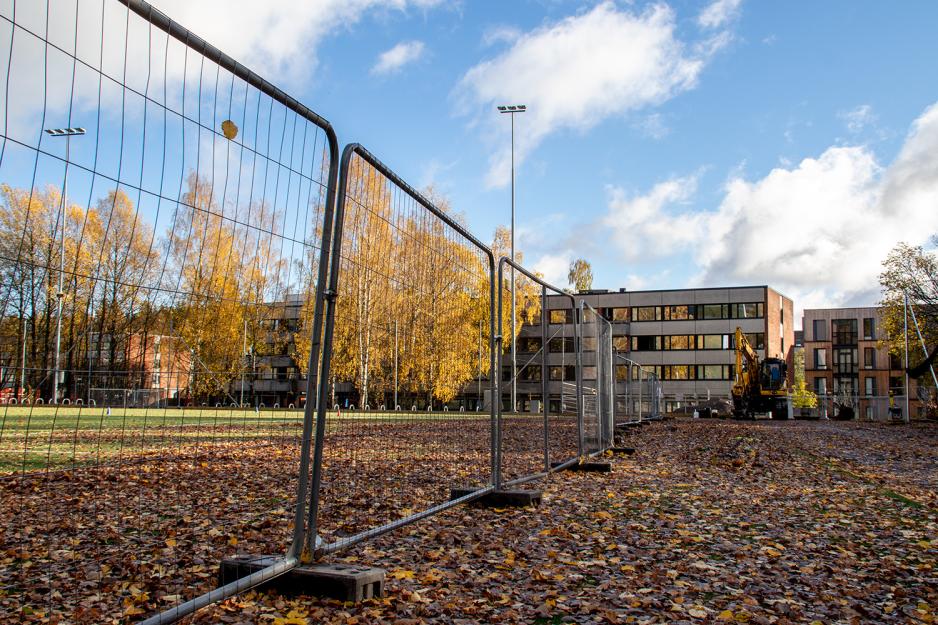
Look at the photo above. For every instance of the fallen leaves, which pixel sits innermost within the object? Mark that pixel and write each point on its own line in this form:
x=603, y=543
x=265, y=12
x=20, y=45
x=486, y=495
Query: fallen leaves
x=680, y=534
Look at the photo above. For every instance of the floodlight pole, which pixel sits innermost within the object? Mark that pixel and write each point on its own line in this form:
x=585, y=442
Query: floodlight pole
x=68, y=133
x=511, y=110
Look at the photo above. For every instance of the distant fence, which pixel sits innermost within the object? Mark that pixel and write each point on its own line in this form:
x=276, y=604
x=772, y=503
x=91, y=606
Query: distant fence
x=184, y=252
x=638, y=394
x=597, y=379
x=860, y=408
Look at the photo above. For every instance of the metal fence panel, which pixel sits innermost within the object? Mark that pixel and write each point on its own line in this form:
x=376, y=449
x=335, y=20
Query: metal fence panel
x=597, y=375
x=160, y=244
x=408, y=348
x=531, y=440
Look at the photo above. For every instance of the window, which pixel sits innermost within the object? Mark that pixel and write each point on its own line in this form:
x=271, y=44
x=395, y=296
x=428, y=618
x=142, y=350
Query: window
x=560, y=344
x=869, y=357
x=846, y=385
x=894, y=362
x=620, y=343
x=679, y=341
x=619, y=314
x=679, y=313
x=528, y=316
x=646, y=343
x=896, y=385
x=562, y=373
x=820, y=386
x=646, y=313
x=820, y=358
x=756, y=339
x=844, y=331
x=589, y=372
x=713, y=372
x=820, y=329
x=713, y=311
x=562, y=315
x=531, y=373
x=869, y=329
x=589, y=343
x=529, y=344
x=845, y=361
x=622, y=373
x=713, y=341
x=755, y=310
x=870, y=385
x=678, y=372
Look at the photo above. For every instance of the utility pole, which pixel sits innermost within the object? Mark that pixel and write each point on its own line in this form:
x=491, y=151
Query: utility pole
x=68, y=133
x=512, y=110
x=244, y=355
x=905, y=332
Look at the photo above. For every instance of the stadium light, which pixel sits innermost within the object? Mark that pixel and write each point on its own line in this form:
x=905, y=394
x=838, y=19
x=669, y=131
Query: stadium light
x=68, y=133
x=512, y=109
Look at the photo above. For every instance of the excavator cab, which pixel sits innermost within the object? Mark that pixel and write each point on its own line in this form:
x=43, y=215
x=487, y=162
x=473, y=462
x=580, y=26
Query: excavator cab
x=773, y=374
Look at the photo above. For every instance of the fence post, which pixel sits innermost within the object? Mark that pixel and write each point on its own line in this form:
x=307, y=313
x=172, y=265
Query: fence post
x=497, y=393
x=545, y=368
x=577, y=344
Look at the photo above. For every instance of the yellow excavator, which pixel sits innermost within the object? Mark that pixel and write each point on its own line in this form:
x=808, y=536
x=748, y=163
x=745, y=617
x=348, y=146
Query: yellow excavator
x=761, y=385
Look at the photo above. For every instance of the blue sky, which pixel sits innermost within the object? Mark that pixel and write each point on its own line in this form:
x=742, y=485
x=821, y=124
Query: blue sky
x=670, y=144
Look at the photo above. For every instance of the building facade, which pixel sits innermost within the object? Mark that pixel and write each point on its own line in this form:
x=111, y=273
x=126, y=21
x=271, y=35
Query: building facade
x=686, y=337
x=847, y=364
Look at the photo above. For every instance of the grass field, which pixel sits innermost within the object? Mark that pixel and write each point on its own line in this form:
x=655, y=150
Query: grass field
x=56, y=437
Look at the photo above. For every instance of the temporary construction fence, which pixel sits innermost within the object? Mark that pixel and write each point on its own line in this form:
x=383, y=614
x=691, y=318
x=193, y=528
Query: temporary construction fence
x=397, y=256
x=161, y=207
x=183, y=269
x=638, y=391
x=860, y=407
x=531, y=444
x=597, y=380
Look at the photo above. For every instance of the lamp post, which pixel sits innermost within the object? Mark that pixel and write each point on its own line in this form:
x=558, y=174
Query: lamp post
x=512, y=109
x=68, y=133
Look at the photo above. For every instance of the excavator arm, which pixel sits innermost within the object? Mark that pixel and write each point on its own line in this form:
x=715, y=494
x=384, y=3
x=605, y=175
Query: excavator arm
x=745, y=355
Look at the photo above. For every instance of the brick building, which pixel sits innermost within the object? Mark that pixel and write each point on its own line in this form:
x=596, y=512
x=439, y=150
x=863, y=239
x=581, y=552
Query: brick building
x=846, y=363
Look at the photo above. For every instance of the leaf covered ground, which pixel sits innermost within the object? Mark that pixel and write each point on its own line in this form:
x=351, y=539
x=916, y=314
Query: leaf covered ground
x=709, y=522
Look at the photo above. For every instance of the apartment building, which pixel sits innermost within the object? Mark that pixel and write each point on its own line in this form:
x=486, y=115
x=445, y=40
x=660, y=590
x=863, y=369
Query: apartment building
x=685, y=336
x=846, y=364
x=136, y=370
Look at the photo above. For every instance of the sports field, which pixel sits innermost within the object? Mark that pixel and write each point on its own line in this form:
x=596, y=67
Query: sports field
x=58, y=437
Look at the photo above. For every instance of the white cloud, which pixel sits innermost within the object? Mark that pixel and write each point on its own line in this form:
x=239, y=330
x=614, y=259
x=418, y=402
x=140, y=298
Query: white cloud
x=393, y=60
x=576, y=72
x=818, y=230
x=500, y=34
x=653, y=126
x=554, y=267
x=278, y=39
x=648, y=226
x=718, y=13
x=858, y=118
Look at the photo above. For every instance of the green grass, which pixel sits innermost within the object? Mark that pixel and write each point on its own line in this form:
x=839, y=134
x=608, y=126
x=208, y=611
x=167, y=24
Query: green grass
x=36, y=438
